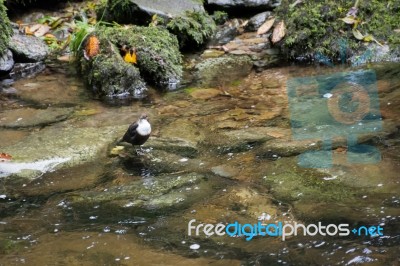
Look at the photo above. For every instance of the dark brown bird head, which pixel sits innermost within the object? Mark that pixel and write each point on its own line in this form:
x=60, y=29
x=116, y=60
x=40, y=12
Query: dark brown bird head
x=143, y=116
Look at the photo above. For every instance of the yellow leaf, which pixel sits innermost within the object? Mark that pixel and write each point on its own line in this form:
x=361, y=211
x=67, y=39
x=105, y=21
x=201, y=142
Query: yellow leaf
x=266, y=26
x=279, y=32
x=349, y=20
x=368, y=38
x=130, y=57
x=358, y=34
x=42, y=30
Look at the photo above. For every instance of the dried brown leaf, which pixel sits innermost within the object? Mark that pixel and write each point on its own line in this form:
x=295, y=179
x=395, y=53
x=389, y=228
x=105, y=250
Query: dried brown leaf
x=266, y=26
x=279, y=32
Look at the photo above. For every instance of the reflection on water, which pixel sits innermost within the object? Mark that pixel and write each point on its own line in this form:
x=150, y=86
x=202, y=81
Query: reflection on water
x=122, y=211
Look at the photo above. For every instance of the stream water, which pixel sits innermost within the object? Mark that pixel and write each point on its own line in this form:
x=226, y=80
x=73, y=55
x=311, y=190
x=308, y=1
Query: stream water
x=133, y=210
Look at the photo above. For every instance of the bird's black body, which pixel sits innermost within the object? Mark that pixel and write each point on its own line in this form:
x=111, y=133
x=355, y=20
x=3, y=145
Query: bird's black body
x=133, y=136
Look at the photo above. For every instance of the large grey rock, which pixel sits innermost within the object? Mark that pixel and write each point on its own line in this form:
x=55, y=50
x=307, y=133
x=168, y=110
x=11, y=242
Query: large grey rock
x=225, y=33
x=6, y=61
x=30, y=117
x=168, y=7
x=258, y=4
x=28, y=48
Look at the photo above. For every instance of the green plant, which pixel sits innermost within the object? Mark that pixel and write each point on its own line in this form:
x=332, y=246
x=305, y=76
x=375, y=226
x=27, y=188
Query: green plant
x=317, y=25
x=194, y=28
x=82, y=31
x=220, y=17
x=5, y=28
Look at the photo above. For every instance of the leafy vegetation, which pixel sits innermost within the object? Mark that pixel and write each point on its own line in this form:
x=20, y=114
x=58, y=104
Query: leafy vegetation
x=5, y=28
x=220, y=17
x=193, y=29
x=318, y=26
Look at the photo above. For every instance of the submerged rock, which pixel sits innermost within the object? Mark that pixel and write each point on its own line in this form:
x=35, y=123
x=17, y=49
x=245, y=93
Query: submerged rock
x=23, y=70
x=143, y=196
x=216, y=71
x=67, y=145
x=29, y=117
x=28, y=49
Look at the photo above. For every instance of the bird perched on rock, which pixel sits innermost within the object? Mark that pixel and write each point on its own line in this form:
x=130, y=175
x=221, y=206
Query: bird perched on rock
x=138, y=132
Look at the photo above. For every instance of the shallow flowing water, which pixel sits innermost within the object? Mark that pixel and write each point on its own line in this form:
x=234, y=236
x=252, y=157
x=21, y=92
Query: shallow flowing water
x=134, y=209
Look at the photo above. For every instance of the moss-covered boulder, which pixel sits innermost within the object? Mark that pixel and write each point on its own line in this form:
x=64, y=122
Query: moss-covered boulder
x=158, y=60
x=141, y=11
x=316, y=27
x=192, y=29
x=5, y=29
x=222, y=70
x=186, y=19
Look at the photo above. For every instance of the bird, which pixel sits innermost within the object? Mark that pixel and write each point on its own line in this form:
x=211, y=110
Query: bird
x=138, y=132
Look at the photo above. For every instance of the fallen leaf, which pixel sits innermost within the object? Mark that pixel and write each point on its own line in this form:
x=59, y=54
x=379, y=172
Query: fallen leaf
x=358, y=35
x=368, y=38
x=397, y=30
x=266, y=26
x=5, y=157
x=116, y=150
x=279, y=32
x=130, y=56
x=92, y=47
x=42, y=30
x=349, y=20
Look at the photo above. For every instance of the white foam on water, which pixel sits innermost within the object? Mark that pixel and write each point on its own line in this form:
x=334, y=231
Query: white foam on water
x=8, y=168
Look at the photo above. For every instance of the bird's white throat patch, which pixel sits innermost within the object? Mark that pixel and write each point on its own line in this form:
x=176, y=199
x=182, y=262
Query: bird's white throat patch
x=144, y=127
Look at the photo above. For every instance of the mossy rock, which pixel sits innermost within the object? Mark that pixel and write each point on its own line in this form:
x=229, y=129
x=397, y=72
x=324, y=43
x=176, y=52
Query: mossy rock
x=5, y=28
x=158, y=60
x=140, y=12
x=315, y=27
x=184, y=18
x=222, y=70
x=193, y=29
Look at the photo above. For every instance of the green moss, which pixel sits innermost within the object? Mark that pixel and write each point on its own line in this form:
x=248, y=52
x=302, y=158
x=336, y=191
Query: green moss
x=158, y=56
x=5, y=28
x=193, y=29
x=121, y=12
x=220, y=17
x=315, y=26
x=158, y=60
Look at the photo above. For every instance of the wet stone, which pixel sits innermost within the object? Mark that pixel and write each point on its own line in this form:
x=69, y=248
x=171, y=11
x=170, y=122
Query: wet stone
x=144, y=196
x=225, y=171
x=214, y=71
x=28, y=48
x=24, y=70
x=256, y=21
x=6, y=61
x=30, y=117
x=244, y=139
x=179, y=146
x=57, y=147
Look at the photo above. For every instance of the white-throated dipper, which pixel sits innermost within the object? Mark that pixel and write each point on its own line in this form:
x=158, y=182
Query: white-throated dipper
x=138, y=132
